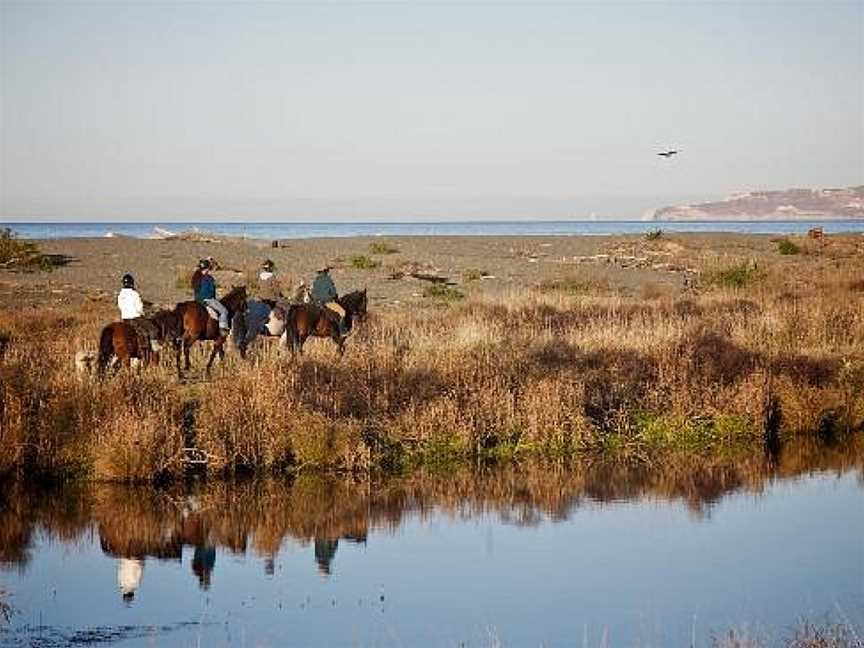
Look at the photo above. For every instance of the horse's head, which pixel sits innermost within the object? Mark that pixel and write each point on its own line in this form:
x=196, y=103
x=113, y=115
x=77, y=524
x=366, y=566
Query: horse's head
x=235, y=300
x=355, y=303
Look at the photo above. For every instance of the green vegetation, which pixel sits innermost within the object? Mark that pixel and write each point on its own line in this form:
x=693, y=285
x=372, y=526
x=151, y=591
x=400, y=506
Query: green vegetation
x=183, y=280
x=473, y=274
x=363, y=262
x=18, y=254
x=572, y=286
x=522, y=375
x=654, y=234
x=443, y=292
x=738, y=276
x=787, y=247
x=382, y=247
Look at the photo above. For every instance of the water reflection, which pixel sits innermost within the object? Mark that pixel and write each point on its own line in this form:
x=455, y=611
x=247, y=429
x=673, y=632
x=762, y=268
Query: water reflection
x=139, y=524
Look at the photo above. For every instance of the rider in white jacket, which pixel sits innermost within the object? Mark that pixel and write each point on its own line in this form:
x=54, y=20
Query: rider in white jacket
x=132, y=312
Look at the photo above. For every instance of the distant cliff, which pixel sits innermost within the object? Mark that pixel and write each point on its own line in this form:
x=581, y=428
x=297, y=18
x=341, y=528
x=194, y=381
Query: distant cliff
x=790, y=204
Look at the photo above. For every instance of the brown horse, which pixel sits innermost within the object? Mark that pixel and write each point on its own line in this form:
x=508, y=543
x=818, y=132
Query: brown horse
x=305, y=320
x=123, y=341
x=195, y=323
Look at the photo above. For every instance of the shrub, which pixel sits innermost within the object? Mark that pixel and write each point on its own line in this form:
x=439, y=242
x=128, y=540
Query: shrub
x=573, y=285
x=785, y=246
x=382, y=247
x=183, y=280
x=654, y=234
x=473, y=274
x=443, y=292
x=15, y=253
x=363, y=262
x=737, y=276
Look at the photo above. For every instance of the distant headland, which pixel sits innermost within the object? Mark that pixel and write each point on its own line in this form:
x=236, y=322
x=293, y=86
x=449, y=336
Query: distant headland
x=788, y=204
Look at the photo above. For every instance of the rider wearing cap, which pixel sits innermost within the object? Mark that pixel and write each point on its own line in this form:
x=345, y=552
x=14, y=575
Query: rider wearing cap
x=204, y=286
x=132, y=311
x=324, y=294
x=269, y=285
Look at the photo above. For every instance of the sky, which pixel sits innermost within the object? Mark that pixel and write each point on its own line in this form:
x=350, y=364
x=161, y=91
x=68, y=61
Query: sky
x=406, y=110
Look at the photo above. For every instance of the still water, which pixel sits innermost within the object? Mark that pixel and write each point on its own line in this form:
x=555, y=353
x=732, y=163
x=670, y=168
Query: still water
x=534, y=555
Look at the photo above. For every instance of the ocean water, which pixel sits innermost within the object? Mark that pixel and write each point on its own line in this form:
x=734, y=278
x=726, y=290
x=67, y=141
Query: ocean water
x=275, y=230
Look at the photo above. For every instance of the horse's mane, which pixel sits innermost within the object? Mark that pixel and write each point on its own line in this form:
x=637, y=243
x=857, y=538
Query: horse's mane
x=168, y=323
x=352, y=300
x=235, y=298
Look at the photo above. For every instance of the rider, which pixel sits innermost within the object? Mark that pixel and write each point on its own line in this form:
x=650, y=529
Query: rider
x=132, y=311
x=324, y=294
x=269, y=286
x=267, y=271
x=204, y=286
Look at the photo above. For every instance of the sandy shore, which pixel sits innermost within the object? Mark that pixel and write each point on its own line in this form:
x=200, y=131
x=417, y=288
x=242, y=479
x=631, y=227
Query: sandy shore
x=630, y=265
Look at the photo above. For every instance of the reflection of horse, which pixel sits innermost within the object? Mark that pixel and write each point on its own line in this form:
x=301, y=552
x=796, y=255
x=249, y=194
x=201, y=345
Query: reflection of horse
x=195, y=323
x=123, y=341
x=306, y=320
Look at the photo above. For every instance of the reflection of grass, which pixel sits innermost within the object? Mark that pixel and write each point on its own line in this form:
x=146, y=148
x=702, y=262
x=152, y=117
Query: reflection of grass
x=6, y=609
x=443, y=292
x=382, y=247
x=363, y=262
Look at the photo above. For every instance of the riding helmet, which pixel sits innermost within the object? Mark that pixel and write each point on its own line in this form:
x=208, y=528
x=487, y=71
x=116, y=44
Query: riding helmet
x=128, y=281
x=268, y=265
x=204, y=264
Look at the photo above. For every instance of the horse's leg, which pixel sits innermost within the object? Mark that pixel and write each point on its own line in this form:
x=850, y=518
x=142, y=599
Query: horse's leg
x=186, y=344
x=339, y=340
x=217, y=347
x=178, y=347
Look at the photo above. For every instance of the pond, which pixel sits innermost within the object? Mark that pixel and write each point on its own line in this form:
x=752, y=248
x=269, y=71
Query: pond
x=554, y=555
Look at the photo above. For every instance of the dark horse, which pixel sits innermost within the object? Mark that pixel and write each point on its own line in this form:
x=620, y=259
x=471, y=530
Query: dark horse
x=304, y=320
x=123, y=341
x=195, y=323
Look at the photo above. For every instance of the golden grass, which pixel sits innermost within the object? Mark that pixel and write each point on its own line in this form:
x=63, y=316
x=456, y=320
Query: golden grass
x=532, y=373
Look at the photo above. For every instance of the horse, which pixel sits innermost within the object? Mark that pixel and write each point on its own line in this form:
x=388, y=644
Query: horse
x=266, y=317
x=305, y=320
x=195, y=323
x=123, y=341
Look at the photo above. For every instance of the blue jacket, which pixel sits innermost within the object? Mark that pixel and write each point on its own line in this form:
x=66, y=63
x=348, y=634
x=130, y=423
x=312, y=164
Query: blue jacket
x=206, y=289
x=323, y=289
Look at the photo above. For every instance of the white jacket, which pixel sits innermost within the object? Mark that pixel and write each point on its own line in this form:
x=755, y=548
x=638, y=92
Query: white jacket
x=130, y=304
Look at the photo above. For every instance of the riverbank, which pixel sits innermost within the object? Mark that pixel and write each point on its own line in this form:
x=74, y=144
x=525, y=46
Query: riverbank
x=629, y=347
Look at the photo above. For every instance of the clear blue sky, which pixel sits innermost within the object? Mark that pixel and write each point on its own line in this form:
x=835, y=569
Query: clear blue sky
x=410, y=110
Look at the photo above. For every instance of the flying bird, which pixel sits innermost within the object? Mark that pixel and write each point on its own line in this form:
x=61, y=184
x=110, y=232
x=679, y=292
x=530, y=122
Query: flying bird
x=668, y=154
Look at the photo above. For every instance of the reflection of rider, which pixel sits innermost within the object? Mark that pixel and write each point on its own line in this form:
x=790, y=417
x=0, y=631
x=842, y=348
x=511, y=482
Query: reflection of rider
x=129, y=573
x=204, y=286
x=132, y=312
x=325, y=551
x=203, y=561
x=324, y=294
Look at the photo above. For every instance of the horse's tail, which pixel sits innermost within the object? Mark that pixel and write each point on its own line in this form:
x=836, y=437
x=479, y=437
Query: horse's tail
x=106, y=348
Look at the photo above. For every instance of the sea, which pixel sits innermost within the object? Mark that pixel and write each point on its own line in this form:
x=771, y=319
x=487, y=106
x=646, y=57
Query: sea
x=301, y=230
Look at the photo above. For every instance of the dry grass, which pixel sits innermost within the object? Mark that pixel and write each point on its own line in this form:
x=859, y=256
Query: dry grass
x=527, y=374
